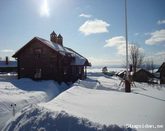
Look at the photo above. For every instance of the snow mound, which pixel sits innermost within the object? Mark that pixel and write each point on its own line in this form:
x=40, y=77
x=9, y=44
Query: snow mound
x=40, y=119
x=24, y=92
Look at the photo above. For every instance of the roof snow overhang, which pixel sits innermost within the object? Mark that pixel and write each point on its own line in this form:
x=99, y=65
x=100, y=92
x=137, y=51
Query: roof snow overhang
x=79, y=60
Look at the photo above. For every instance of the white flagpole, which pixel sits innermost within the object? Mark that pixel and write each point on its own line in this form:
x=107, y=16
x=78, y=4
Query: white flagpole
x=127, y=84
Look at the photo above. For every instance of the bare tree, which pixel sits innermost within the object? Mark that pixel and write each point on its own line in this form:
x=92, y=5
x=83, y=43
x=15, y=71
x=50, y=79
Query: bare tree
x=136, y=56
x=149, y=65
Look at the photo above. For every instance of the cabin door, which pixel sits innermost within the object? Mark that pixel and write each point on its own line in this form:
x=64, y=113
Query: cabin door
x=38, y=73
x=37, y=66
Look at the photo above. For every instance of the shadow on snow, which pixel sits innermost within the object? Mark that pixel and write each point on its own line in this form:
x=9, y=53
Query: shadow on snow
x=50, y=87
x=40, y=119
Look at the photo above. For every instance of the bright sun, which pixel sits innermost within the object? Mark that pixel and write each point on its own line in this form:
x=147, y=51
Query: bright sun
x=44, y=9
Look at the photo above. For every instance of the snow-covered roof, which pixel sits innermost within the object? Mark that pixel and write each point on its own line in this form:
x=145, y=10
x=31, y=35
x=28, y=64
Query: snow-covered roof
x=161, y=67
x=57, y=47
x=121, y=72
x=78, y=59
x=10, y=64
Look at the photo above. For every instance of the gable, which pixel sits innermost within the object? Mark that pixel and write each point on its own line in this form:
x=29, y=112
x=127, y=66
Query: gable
x=34, y=44
x=162, y=67
x=144, y=72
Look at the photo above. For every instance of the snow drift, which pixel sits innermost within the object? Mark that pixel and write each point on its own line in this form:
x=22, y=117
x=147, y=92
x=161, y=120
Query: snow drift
x=40, y=119
x=95, y=104
x=24, y=92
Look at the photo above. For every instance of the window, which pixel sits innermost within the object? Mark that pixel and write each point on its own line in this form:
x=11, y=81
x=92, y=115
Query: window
x=38, y=52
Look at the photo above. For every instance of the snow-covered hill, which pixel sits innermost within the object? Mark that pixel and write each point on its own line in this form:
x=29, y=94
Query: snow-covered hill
x=97, y=103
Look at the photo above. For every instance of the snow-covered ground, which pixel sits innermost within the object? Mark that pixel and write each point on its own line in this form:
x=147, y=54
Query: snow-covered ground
x=24, y=92
x=99, y=69
x=103, y=101
x=97, y=103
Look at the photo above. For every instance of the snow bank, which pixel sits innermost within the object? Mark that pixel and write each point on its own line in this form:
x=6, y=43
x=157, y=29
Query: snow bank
x=40, y=119
x=102, y=100
x=98, y=99
x=24, y=92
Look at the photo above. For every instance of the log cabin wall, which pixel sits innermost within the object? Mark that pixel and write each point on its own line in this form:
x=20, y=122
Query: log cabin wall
x=39, y=57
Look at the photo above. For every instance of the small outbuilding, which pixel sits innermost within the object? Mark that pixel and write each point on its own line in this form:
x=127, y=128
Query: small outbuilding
x=142, y=76
x=161, y=70
x=121, y=74
x=7, y=66
x=104, y=69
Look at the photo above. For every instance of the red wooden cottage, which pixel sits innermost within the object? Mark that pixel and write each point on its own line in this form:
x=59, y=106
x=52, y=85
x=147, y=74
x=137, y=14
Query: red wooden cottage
x=43, y=59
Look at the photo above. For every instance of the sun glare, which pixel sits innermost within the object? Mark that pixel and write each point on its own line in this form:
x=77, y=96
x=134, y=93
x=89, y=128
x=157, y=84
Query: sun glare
x=44, y=9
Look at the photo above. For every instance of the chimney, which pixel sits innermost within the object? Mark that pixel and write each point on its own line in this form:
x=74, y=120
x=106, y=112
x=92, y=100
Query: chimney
x=53, y=37
x=7, y=60
x=60, y=40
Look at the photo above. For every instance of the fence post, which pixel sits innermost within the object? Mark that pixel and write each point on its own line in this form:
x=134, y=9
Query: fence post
x=13, y=106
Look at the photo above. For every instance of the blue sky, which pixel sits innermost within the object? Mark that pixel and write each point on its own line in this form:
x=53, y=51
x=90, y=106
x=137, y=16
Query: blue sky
x=94, y=28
